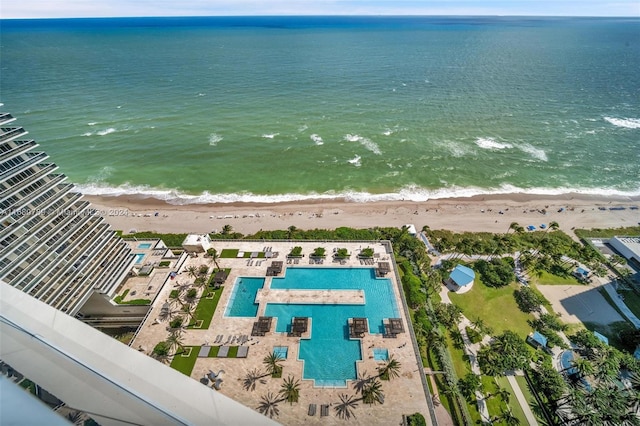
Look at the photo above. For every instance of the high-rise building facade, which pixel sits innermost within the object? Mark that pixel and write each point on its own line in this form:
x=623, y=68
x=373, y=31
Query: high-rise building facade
x=53, y=245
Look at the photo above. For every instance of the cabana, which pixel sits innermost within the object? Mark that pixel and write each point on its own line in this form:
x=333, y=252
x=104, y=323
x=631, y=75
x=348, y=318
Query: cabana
x=262, y=326
x=299, y=325
x=383, y=269
x=357, y=327
x=220, y=277
x=275, y=268
x=393, y=327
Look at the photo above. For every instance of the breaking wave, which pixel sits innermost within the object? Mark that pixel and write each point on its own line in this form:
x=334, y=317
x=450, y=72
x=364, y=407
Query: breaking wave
x=408, y=193
x=367, y=143
x=627, y=123
x=317, y=139
x=214, y=138
x=355, y=161
x=492, y=144
x=537, y=153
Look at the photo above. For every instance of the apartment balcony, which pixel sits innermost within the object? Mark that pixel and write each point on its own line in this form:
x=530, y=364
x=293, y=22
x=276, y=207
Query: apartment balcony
x=34, y=159
x=5, y=118
x=10, y=133
x=17, y=148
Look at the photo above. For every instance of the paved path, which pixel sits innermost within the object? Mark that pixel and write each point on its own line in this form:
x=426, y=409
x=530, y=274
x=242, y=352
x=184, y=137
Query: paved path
x=531, y=419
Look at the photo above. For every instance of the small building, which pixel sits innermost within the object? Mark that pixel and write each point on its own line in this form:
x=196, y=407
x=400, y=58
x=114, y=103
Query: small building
x=628, y=247
x=461, y=279
x=411, y=229
x=196, y=243
x=538, y=341
x=581, y=273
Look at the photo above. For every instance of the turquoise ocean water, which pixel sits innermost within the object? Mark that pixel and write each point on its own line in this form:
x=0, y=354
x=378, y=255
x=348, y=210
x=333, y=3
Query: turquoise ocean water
x=276, y=109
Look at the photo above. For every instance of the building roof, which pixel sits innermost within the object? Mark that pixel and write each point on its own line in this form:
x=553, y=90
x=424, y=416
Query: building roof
x=411, y=229
x=539, y=338
x=582, y=271
x=462, y=275
x=195, y=239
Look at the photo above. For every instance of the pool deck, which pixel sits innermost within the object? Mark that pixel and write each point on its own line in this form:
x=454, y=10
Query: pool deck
x=403, y=395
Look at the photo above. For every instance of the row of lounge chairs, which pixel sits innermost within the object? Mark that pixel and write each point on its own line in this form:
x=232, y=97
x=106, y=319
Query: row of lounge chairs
x=238, y=340
x=324, y=410
x=294, y=261
x=367, y=261
x=316, y=261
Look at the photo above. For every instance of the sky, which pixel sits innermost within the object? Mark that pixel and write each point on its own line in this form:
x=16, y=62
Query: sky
x=10, y=9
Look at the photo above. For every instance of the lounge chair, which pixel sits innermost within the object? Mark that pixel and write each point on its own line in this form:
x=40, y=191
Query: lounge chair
x=312, y=409
x=324, y=410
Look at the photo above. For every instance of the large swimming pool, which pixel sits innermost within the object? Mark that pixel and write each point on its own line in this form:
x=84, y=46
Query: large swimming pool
x=330, y=356
x=243, y=297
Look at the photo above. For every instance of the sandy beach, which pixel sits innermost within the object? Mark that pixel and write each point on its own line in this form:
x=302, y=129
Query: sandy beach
x=491, y=213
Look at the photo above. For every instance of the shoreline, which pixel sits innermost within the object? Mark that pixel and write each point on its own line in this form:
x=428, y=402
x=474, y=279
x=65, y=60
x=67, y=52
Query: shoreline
x=491, y=213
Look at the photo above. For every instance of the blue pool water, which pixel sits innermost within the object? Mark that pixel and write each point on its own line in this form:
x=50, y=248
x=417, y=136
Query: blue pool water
x=330, y=356
x=139, y=257
x=144, y=245
x=281, y=351
x=380, y=354
x=242, y=300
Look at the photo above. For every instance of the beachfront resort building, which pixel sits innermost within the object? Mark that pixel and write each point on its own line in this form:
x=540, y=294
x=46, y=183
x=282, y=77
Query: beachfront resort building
x=53, y=246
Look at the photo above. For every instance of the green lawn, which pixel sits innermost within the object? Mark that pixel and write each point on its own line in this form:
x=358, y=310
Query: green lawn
x=206, y=307
x=496, y=306
x=229, y=253
x=632, y=300
x=185, y=364
x=213, y=351
x=547, y=278
x=513, y=402
x=524, y=387
x=494, y=403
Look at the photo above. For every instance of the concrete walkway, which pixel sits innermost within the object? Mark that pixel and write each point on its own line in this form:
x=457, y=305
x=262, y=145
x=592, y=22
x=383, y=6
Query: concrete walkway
x=531, y=418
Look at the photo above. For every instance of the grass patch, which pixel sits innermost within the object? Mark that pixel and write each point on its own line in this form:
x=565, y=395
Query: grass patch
x=206, y=308
x=229, y=253
x=531, y=400
x=607, y=233
x=632, y=300
x=233, y=352
x=516, y=408
x=460, y=360
x=496, y=306
x=494, y=403
x=171, y=240
x=213, y=351
x=547, y=278
x=174, y=294
x=185, y=364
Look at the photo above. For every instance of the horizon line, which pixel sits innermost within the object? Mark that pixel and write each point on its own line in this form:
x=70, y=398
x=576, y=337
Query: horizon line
x=323, y=16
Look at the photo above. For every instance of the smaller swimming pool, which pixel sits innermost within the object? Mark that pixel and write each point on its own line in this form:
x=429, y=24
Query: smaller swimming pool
x=281, y=351
x=144, y=245
x=139, y=257
x=380, y=354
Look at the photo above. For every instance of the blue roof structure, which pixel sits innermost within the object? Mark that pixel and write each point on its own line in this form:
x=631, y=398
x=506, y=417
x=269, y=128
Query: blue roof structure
x=636, y=354
x=602, y=338
x=462, y=275
x=539, y=338
x=583, y=272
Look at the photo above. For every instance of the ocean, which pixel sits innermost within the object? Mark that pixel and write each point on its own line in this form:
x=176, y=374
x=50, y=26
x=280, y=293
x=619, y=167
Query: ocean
x=274, y=109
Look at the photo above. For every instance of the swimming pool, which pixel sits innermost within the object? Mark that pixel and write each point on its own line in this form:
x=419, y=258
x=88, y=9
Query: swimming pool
x=330, y=356
x=242, y=302
x=380, y=354
x=281, y=351
x=144, y=245
x=139, y=257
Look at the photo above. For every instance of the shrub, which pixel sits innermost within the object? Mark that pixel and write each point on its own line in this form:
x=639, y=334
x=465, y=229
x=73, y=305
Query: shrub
x=164, y=264
x=416, y=419
x=161, y=349
x=527, y=299
x=176, y=322
x=296, y=251
x=496, y=272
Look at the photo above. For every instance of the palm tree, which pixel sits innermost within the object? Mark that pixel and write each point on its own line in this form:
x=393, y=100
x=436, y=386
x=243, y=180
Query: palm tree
x=344, y=409
x=76, y=417
x=175, y=341
x=249, y=381
x=192, y=271
x=504, y=395
x=226, y=229
x=272, y=362
x=189, y=312
x=361, y=382
x=372, y=392
x=290, y=390
x=390, y=370
x=509, y=418
x=290, y=231
x=469, y=384
x=269, y=405
x=513, y=227
x=478, y=324
x=213, y=253
x=583, y=367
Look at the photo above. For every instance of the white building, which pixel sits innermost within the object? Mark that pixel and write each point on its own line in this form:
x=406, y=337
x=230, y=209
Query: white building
x=195, y=243
x=628, y=247
x=53, y=246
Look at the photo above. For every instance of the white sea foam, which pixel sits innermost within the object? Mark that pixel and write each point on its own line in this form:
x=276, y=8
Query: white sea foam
x=317, y=139
x=87, y=134
x=214, y=138
x=627, y=123
x=408, y=193
x=302, y=128
x=270, y=135
x=92, y=123
x=367, y=143
x=492, y=144
x=355, y=161
x=106, y=131
x=537, y=153
x=388, y=132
